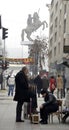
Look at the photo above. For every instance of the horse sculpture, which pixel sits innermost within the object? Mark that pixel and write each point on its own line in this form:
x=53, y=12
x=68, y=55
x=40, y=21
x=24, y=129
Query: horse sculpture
x=33, y=26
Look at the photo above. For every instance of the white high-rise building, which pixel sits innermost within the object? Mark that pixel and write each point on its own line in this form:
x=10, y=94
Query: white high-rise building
x=58, y=34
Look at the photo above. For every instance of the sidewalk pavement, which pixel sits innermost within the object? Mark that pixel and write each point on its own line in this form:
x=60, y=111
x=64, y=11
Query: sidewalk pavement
x=8, y=113
x=4, y=95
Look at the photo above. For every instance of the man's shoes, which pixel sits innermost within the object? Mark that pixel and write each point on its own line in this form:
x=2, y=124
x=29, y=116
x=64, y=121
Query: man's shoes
x=19, y=120
x=63, y=120
x=43, y=122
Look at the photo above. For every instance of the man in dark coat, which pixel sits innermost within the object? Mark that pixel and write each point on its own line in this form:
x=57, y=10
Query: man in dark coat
x=38, y=82
x=22, y=93
x=50, y=105
x=45, y=82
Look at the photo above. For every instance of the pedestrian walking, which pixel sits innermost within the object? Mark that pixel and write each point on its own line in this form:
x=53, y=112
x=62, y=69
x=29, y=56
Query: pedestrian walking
x=59, y=81
x=52, y=84
x=45, y=82
x=22, y=93
x=38, y=83
x=64, y=85
x=67, y=80
x=11, y=84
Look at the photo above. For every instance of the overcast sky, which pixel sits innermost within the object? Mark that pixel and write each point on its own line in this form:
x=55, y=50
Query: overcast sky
x=14, y=17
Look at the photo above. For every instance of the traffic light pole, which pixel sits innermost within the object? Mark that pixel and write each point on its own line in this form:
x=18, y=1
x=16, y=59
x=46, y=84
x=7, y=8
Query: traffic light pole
x=4, y=53
x=3, y=83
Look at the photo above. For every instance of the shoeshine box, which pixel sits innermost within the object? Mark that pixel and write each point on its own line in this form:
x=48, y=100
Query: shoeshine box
x=35, y=118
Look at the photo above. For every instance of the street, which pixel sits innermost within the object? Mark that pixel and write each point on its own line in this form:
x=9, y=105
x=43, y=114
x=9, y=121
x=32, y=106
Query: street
x=8, y=113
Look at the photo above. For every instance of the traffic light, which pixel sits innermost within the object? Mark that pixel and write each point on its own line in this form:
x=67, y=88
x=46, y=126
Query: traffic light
x=5, y=31
x=0, y=21
x=5, y=65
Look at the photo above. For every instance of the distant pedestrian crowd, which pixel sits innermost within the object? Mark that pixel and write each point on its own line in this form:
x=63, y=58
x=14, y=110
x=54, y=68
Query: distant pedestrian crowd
x=51, y=83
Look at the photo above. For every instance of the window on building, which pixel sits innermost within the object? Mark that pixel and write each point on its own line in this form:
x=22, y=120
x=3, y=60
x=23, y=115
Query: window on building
x=64, y=8
x=51, y=17
x=56, y=7
x=52, y=3
x=50, y=54
x=51, y=29
x=56, y=22
x=59, y=30
x=64, y=40
x=64, y=25
x=51, y=42
x=54, y=51
x=59, y=48
x=60, y=15
x=55, y=38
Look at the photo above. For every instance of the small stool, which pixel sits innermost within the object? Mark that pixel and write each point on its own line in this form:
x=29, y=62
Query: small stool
x=35, y=118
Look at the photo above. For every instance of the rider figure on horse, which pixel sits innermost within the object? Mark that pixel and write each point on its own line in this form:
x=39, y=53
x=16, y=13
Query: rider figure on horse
x=29, y=20
x=33, y=21
x=35, y=18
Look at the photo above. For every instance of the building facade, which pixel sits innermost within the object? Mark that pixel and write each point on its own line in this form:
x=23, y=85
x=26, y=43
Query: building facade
x=58, y=35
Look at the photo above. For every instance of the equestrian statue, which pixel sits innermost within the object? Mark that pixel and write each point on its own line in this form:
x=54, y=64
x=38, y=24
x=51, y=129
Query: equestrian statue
x=33, y=23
